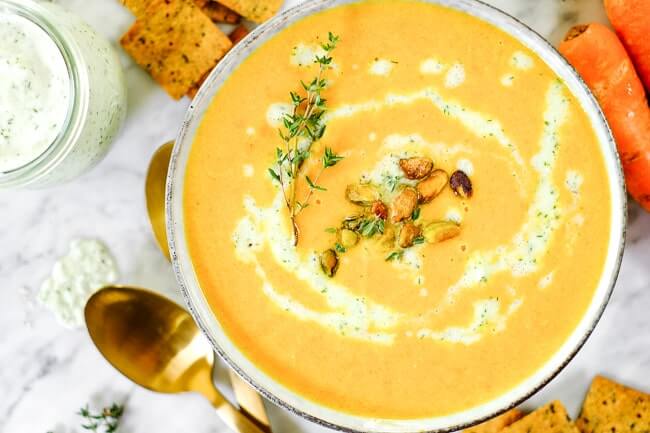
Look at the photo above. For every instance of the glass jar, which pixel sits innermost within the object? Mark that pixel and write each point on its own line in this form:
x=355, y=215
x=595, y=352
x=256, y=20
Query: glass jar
x=54, y=123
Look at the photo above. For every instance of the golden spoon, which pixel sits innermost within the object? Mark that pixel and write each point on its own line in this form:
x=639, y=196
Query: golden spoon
x=249, y=400
x=157, y=345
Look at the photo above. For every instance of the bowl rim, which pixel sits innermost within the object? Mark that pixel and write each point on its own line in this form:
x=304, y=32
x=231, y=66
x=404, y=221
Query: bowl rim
x=320, y=414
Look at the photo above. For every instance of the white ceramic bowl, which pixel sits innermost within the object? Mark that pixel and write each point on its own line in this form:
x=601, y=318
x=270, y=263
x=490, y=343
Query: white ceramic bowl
x=325, y=416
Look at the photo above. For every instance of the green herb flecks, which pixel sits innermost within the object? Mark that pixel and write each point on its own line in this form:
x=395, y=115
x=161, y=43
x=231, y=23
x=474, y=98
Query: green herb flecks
x=106, y=421
x=371, y=226
x=301, y=128
x=395, y=255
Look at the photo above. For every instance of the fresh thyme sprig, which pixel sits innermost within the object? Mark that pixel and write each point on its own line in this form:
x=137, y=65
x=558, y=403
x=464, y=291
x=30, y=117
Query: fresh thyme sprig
x=108, y=419
x=301, y=129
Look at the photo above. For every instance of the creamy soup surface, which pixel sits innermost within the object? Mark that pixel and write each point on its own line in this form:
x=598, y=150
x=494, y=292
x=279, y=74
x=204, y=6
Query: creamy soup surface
x=442, y=327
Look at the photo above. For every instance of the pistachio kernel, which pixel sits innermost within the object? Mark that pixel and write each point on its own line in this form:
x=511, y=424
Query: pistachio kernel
x=460, y=184
x=439, y=231
x=416, y=167
x=404, y=204
x=361, y=194
x=432, y=186
x=407, y=235
x=348, y=238
x=329, y=262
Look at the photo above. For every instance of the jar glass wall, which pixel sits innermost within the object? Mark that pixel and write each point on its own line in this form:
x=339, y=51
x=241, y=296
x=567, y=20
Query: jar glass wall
x=84, y=104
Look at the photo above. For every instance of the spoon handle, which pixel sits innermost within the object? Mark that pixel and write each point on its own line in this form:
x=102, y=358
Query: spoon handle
x=235, y=419
x=250, y=401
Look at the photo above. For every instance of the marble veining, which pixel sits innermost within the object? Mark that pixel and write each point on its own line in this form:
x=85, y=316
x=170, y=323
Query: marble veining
x=48, y=372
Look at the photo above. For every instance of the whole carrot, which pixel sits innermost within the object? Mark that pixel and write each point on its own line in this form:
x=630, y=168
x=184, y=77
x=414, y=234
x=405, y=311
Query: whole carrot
x=600, y=58
x=631, y=20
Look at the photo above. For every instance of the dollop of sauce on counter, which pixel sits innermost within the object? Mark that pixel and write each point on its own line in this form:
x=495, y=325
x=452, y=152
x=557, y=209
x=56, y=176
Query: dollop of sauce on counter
x=34, y=91
x=87, y=267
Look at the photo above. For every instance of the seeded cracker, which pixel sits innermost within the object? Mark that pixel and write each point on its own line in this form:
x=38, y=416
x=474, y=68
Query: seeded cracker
x=497, y=423
x=176, y=43
x=551, y=418
x=613, y=408
x=255, y=10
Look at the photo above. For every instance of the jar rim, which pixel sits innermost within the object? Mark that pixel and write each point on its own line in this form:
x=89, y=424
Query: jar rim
x=56, y=151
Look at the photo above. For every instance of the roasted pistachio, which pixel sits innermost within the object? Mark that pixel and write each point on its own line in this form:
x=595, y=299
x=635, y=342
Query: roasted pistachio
x=379, y=209
x=329, y=262
x=348, y=238
x=361, y=194
x=439, y=231
x=352, y=222
x=407, y=235
x=430, y=187
x=404, y=204
x=416, y=167
x=460, y=184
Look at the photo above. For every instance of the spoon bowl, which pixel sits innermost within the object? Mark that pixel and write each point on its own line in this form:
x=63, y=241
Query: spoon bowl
x=149, y=339
x=155, y=193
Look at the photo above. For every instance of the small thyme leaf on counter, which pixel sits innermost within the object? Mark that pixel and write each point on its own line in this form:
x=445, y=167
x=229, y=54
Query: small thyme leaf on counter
x=302, y=127
x=395, y=255
x=330, y=230
x=106, y=421
x=339, y=248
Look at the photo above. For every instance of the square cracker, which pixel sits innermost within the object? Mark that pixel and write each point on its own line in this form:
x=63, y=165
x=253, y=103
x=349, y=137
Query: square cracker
x=614, y=408
x=551, y=418
x=137, y=7
x=255, y=10
x=497, y=423
x=176, y=43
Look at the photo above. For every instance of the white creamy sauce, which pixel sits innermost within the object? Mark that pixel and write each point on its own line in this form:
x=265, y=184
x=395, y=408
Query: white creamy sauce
x=454, y=215
x=466, y=166
x=266, y=231
x=305, y=54
x=520, y=257
x=477, y=123
x=522, y=61
x=248, y=170
x=487, y=318
x=431, y=67
x=87, y=267
x=507, y=80
x=381, y=67
x=276, y=113
x=352, y=315
x=34, y=91
x=573, y=181
x=455, y=76
x=546, y=280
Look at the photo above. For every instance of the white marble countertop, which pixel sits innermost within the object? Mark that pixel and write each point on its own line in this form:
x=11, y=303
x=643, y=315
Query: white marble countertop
x=47, y=372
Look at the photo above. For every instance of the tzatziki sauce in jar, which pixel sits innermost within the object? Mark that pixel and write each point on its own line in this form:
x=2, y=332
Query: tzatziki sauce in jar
x=62, y=95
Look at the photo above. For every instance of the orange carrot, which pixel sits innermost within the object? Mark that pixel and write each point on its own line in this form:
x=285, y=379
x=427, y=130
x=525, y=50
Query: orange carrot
x=631, y=20
x=238, y=34
x=601, y=60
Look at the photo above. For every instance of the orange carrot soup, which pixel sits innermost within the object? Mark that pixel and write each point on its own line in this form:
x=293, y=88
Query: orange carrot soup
x=411, y=234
